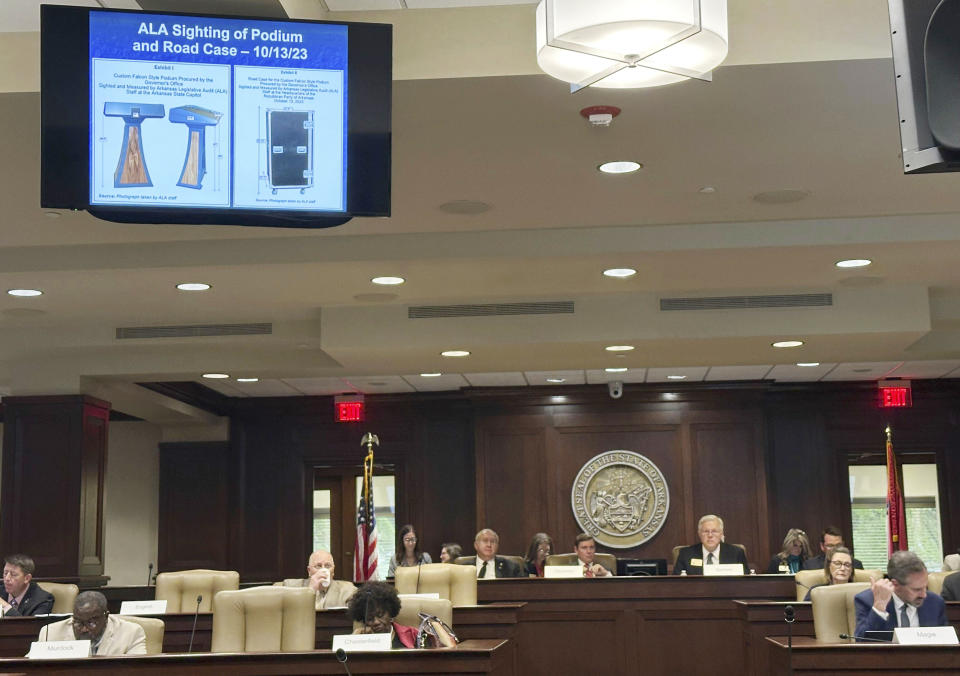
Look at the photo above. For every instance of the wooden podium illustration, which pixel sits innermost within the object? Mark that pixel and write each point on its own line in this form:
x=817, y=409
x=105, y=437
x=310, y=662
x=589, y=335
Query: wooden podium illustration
x=132, y=168
x=195, y=163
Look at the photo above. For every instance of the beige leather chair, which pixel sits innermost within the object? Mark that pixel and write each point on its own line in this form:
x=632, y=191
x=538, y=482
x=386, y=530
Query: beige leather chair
x=63, y=595
x=833, y=610
x=153, y=628
x=806, y=579
x=608, y=561
x=458, y=584
x=181, y=588
x=935, y=580
x=264, y=619
x=951, y=562
x=411, y=607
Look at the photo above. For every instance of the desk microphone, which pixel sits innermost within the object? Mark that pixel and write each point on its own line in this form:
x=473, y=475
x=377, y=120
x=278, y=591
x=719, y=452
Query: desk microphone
x=342, y=659
x=865, y=638
x=195, y=616
x=789, y=617
x=149, y=572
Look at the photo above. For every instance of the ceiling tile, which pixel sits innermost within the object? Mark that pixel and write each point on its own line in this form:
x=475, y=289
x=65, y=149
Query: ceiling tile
x=362, y=5
x=319, y=386
x=599, y=376
x=693, y=374
x=268, y=387
x=380, y=384
x=862, y=370
x=569, y=377
x=510, y=379
x=442, y=383
x=925, y=369
x=717, y=373
x=791, y=373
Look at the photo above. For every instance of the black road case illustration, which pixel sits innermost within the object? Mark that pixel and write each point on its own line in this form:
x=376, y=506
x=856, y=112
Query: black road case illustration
x=289, y=149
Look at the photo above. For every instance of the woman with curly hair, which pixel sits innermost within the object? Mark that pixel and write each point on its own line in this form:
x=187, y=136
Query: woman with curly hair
x=373, y=608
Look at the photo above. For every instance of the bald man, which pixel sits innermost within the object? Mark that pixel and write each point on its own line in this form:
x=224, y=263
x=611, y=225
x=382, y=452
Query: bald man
x=330, y=593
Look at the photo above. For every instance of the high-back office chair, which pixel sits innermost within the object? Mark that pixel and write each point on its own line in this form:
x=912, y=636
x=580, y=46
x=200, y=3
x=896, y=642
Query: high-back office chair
x=181, y=588
x=153, y=628
x=458, y=584
x=807, y=579
x=63, y=595
x=410, y=609
x=935, y=580
x=264, y=619
x=608, y=561
x=951, y=562
x=833, y=610
x=468, y=560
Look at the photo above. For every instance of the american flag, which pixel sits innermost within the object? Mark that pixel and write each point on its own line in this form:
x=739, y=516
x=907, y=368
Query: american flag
x=365, y=553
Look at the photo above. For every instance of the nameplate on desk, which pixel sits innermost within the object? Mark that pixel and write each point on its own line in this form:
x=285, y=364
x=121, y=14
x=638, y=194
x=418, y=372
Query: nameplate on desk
x=366, y=642
x=562, y=571
x=58, y=650
x=925, y=636
x=723, y=569
x=425, y=595
x=143, y=607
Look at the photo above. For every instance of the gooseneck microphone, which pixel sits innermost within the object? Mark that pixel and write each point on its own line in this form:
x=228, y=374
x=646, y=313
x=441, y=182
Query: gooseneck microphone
x=149, y=572
x=789, y=617
x=865, y=638
x=342, y=659
x=195, y=616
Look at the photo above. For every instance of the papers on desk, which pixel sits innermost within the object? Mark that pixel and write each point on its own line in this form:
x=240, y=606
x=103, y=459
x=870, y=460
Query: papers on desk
x=433, y=595
x=58, y=650
x=365, y=642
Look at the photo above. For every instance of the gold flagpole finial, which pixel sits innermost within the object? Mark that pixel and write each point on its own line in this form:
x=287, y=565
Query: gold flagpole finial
x=888, y=431
x=370, y=440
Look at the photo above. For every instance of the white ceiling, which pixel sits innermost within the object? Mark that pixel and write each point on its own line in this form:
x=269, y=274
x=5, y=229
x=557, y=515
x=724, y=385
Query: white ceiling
x=805, y=102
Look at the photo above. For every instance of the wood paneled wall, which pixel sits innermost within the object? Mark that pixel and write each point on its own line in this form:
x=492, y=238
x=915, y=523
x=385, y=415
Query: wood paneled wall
x=765, y=457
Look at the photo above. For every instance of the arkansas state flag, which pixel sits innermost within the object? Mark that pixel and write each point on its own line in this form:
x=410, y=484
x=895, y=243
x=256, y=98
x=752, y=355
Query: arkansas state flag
x=896, y=517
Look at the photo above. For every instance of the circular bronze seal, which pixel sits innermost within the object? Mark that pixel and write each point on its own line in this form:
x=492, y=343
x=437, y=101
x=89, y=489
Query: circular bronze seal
x=620, y=498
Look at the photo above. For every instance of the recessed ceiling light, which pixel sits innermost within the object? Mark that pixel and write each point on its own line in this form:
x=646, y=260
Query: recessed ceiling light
x=388, y=281
x=707, y=190
x=52, y=214
x=619, y=167
x=216, y=376
x=430, y=375
x=556, y=380
x=806, y=364
x=25, y=292
x=854, y=263
x=676, y=377
x=248, y=380
x=455, y=353
x=193, y=286
x=788, y=343
x=619, y=273
x=618, y=348
x=616, y=369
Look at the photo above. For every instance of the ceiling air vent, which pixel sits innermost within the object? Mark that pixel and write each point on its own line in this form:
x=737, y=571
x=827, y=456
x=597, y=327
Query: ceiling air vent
x=194, y=331
x=748, y=302
x=560, y=307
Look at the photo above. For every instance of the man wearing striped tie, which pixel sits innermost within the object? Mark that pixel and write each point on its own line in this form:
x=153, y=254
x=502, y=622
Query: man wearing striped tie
x=21, y=595
x=900, y=599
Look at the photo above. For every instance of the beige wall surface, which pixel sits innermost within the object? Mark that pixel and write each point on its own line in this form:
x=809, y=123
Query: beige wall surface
x=131, y=498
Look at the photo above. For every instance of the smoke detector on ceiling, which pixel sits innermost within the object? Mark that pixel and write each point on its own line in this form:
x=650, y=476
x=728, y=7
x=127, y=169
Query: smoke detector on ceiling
x=600, y=116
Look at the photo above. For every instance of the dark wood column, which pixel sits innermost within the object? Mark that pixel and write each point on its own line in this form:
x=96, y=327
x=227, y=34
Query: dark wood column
x=54, y=462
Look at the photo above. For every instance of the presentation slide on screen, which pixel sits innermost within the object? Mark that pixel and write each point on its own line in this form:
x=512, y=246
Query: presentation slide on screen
x=218, y=113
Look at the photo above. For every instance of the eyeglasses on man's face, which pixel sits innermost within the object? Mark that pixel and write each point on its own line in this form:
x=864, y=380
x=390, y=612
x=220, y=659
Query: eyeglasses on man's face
x=91, y=623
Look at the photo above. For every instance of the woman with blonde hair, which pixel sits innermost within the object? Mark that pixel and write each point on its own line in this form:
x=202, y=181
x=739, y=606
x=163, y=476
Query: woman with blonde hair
x=794, y=551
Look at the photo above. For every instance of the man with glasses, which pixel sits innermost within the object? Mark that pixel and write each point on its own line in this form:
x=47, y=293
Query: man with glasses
x=487, y=563
x=22, y=596
x=711, y=550
x=830, y=537
x=900, y=599
x=108, y=634
x=330, y=593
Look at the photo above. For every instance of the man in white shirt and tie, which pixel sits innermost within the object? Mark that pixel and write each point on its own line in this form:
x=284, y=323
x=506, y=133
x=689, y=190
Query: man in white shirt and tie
x=900, y=599
x=487, y=563
x=586, y=549
x=711, y=550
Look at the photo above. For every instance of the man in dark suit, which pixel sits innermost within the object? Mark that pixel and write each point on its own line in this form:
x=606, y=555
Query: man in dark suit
x=951, y=587
x=487, y=563
x=21, y=595
x=830, y=537
x=711, y=550
x=899, y=600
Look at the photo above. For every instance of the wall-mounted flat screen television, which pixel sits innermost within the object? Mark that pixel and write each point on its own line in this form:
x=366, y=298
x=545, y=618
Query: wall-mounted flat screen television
x=177, y=118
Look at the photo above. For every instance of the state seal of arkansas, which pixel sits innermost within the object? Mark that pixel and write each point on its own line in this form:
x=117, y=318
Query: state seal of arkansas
x=620, y=498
